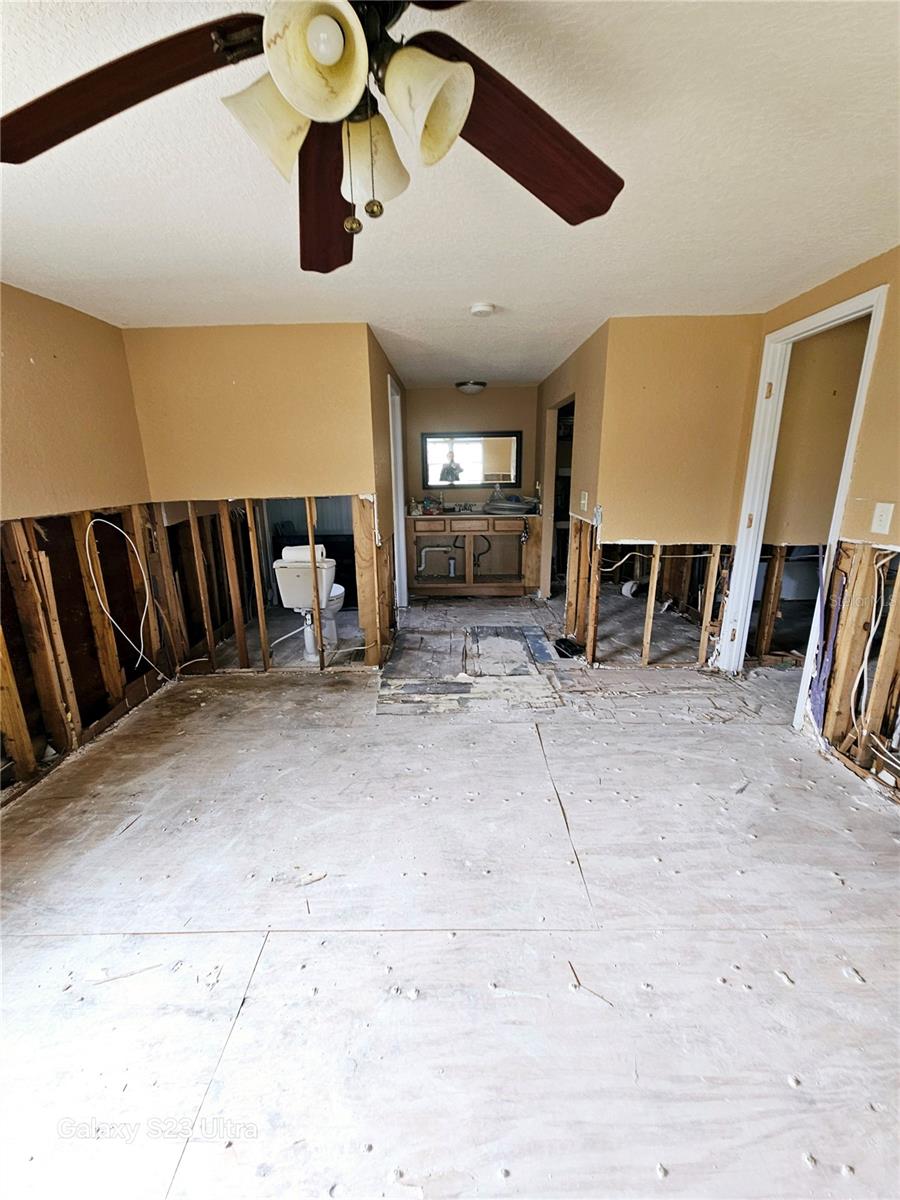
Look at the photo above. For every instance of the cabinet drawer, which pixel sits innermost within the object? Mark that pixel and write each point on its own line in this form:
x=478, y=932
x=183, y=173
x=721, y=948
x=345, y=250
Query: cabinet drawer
x=469, y=526
x=432, y=525
x=508, y=524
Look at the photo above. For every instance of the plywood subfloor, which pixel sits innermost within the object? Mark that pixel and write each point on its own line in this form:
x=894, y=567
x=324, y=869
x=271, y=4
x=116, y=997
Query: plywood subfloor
x=262, y=942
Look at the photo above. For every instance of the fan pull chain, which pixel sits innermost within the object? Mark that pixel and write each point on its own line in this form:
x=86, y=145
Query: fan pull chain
x=374, y=208
x=352, y=224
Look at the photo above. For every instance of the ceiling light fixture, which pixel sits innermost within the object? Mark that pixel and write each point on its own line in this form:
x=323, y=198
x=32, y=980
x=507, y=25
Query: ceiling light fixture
x=320, y=56
x=471, y=387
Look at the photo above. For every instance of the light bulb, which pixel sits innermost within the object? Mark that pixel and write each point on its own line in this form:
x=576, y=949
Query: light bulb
x=325, y=40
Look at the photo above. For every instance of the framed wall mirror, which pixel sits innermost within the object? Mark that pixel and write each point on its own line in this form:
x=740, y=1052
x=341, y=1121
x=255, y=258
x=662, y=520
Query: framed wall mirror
x=473, y=460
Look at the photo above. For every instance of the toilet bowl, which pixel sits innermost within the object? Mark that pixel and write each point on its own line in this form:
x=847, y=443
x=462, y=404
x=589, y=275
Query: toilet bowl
x=294, y=572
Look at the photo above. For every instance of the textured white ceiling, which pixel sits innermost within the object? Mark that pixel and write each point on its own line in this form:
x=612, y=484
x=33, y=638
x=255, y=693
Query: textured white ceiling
x=758, y=142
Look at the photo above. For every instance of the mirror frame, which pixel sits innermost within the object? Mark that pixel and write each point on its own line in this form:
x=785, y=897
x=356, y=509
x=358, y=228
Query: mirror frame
x=516, y=482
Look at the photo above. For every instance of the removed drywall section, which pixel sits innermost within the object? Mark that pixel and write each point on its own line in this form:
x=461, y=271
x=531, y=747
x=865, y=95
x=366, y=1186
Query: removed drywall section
x=677, y=413
x=876, y=468
x=446, y=410
x=253, y=410
x=70, y=435
x=818, y=402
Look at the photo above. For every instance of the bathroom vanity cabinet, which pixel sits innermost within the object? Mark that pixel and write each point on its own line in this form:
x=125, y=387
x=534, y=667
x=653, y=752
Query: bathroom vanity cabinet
x=488, y=552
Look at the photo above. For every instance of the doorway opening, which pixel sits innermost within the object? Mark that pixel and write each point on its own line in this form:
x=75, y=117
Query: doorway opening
x=822, y=381
x=810, y=402
x=562, y=488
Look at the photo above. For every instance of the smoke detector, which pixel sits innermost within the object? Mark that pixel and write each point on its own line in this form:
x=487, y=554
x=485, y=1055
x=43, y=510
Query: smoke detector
x=481, y=309
x=471, y=387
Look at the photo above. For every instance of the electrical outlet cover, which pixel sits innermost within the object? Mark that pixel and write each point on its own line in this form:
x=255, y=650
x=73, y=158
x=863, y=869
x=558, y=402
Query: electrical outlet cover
x=882, y=516
x=584, y=500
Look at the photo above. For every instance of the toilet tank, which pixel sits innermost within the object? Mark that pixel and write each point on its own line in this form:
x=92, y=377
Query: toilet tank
x=295, y=582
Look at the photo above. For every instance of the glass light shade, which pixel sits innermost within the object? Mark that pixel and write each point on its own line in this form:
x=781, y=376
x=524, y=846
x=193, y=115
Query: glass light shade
x=277, y=128
x=430, y=97
x=391, y=177
x=321, y=92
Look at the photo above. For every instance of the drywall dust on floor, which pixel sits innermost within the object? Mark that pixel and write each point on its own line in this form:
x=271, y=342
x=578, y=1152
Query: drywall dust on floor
x=288, y=648
x=620, y=631
x=267, y=939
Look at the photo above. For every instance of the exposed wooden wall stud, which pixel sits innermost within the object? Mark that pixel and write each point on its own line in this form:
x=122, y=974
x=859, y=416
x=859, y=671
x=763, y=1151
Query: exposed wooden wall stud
x=317, y=600
x=594, y=596
x=584, y=572
x=709, y=596
x=171, y=599
x=104, y=634
x=651, y=602
x=234, y=586
x=59, y=708
x=366, y=582
x=885, y=678
x=135, y=520
x=15, y=728
x=202, y=587
x=258, y=585
x=771, y=598
x=572, y=561
x=852, y=636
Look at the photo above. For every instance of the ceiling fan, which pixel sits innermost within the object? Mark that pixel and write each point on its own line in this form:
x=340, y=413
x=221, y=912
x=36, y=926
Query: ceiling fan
x=315, y=105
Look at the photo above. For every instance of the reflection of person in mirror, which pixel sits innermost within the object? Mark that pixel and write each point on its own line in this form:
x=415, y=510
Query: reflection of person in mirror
x=451, y=470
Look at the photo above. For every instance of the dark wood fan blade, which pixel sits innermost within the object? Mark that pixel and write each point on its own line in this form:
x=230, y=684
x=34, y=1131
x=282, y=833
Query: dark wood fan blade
x=437, y=5
x=110, y=89
x=527, y=143
x=324, y=243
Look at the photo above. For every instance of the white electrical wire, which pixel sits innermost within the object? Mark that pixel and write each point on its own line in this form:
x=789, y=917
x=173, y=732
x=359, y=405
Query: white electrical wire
x=353, y=649
x=140, y=648
x=882, y=753
x=285, y=637
x=644, y=554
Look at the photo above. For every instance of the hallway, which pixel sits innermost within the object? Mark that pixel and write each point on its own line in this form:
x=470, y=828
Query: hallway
x=631, y=939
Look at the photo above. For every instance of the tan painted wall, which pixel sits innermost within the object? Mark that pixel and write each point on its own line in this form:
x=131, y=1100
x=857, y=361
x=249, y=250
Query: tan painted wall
x=70, y=436
x=379, y=369
x=445, y=410
x=677, y=413
x=254, y=410
x=876, y=470
x=818, y=402
x=582, y=375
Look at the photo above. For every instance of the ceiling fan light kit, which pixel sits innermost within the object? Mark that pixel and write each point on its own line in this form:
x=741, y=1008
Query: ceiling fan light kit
x=314, y=107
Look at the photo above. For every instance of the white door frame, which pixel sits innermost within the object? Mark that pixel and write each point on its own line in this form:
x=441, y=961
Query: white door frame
x=729, y=655
x=395, y=410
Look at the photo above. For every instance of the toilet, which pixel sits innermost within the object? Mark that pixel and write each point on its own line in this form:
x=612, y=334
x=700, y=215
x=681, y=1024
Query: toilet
x=295, y=585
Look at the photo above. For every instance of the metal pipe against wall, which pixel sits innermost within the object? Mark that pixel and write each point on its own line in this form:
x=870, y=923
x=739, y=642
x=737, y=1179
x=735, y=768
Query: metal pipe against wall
x=426, y=549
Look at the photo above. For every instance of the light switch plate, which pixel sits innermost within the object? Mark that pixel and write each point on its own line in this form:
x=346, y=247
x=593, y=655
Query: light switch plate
x=584, y=500
x=882, y=515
